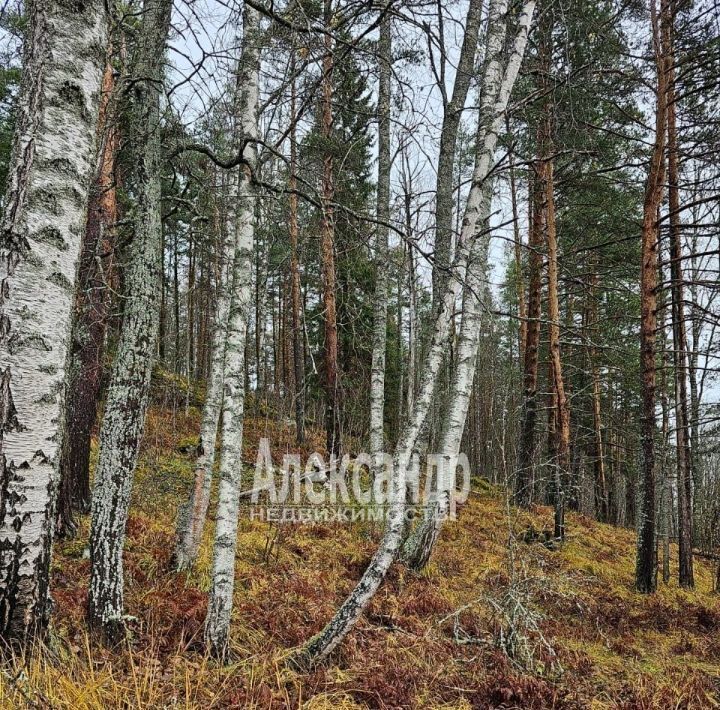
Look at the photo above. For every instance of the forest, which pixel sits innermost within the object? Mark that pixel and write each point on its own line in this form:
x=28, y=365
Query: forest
x=360, y=354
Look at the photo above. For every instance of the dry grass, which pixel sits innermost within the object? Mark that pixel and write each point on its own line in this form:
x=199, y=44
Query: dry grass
x=411, y=650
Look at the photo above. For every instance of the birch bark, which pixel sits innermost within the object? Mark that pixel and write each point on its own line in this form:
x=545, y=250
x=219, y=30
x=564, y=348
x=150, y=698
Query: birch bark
x=128, y=391
x=217, y=622
x=445, y=183
x=51, y=166
x=377, y=372
x=420, y=544
x=192, y=515
x=495, y=96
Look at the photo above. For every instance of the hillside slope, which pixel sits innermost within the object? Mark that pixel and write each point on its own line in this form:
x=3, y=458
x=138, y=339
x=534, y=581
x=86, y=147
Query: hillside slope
x=581, y=637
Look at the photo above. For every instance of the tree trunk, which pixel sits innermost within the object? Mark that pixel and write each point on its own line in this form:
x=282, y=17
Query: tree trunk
x=217, y=622
x=128, y=391
x=645, y=577
x=421, y=542
x=377, y=370
x=665, y=478
x=190, y=345
x=444, y=187
x=93, y=299
x=525, y=483
x=327, y=251
x=562, y=434
x=602, y=503
x=495, y=96
x=177, y=367
x=517, y=246
x=413, y=336
x=561, y=430
x=192, y=515
x=296, y=295
x=682, y=424
x=50, y=170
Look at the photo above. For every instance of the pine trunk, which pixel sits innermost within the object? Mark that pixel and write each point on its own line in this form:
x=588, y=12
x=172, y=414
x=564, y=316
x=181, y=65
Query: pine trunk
x=93, y=298
x=327, y=252
x=682, y=423
x=295, y=286
x=561, y=465
x=517, y=248
x=645, y=572
x=597, y=453
x=525, y=483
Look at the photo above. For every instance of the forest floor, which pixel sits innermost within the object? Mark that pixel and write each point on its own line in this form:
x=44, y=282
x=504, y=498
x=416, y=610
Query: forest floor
x=584, y=638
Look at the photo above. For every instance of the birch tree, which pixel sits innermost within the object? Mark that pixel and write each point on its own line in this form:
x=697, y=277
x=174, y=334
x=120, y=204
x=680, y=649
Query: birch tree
x=446, y=179
x=128, y=391
x=377, y=372
x=420, y=544
x=192, y=515
x=496, y=90
x=50, y=170
x=217, y=622
x=452, y=116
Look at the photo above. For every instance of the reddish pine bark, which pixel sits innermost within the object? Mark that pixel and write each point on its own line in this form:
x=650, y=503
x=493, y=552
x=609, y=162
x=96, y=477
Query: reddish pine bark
x=92, y=308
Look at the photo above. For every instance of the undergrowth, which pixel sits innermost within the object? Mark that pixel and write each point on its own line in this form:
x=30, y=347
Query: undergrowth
x=433, y=640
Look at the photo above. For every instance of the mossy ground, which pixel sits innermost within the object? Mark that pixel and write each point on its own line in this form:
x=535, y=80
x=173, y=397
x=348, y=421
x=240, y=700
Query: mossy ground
x=599, y=644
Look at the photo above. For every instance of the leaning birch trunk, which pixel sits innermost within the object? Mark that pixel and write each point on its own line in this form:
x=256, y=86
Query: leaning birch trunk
x=217, y=622
x=420, y=544
x=377, y=372
x=445, y=182
x=192, y=515
x=128, y=391
x=495, y=95
x=51, y=166
x=445, y=193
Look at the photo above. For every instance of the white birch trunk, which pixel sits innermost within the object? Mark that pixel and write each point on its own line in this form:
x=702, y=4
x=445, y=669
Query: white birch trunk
x=217, y=622
x=377, y=370
x=495, y=93
x=445, y=182
x=51, y=166
x=420, y=544
x=192, y=515
x=127, y=396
